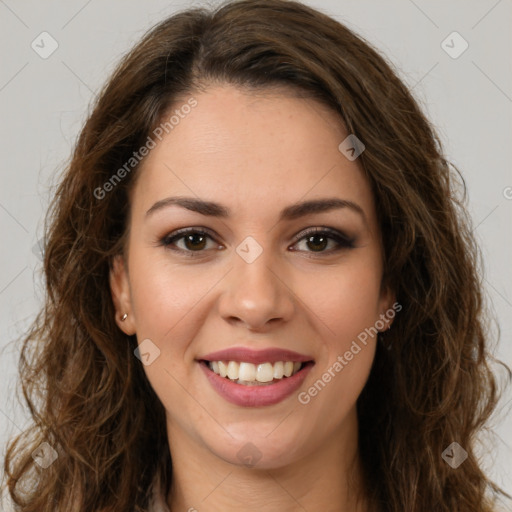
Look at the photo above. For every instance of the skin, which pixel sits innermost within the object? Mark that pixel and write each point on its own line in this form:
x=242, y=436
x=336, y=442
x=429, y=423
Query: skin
x=255, y=154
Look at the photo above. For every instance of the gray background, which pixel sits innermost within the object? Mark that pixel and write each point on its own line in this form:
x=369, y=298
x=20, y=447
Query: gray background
x=44, y=102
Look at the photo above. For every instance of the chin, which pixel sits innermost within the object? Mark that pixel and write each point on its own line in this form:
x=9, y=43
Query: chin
x=258, y=446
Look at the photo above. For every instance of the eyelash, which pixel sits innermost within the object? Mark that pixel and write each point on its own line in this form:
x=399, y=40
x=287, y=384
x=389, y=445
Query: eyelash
x=343, y=241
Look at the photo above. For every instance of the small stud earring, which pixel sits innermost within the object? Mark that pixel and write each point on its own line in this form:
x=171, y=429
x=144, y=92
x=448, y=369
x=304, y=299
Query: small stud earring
x=124, y=317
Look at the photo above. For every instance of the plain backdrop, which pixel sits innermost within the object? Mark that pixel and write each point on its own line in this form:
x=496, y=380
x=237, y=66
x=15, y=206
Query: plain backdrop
x=44, y=102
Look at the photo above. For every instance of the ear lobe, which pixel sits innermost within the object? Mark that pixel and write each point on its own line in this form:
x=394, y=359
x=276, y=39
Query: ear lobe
x=388, y=302
x=121, y=295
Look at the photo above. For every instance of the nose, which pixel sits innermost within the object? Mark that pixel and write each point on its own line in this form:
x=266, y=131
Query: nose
x=257, y=295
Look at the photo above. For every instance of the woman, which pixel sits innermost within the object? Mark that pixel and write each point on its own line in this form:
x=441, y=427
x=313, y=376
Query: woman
x=262, y=290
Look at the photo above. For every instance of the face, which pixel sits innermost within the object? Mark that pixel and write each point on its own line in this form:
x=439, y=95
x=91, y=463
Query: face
x=267, y=271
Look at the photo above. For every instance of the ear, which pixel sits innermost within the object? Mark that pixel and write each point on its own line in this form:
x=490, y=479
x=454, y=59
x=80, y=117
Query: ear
x=121, y=295
x=388, y=307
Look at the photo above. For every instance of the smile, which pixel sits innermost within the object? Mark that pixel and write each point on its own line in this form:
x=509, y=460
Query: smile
x=249, y=374
x=252, y=378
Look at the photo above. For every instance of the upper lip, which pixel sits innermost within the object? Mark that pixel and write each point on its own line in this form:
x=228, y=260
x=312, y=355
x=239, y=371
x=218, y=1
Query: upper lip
x=248, y=355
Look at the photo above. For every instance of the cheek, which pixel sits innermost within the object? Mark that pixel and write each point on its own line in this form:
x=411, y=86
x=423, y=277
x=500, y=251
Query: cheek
x=168, y=303
x=164, y=294
x=346, y=299
x=347, y=306
x=168, y=310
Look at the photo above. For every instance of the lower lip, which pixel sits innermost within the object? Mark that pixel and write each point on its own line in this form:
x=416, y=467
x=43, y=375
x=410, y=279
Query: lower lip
x=255, y=396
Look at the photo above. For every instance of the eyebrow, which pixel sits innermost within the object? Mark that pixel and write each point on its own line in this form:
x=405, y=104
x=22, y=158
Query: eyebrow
x=292, y=212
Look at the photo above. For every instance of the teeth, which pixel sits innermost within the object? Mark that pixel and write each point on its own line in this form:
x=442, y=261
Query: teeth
x=233, y=368
x=246, y=371
x=278, y=370
x=251, y=374
x=223, y=370
x=265, y=372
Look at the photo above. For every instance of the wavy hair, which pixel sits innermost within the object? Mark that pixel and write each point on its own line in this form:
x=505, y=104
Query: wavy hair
x=431, y=382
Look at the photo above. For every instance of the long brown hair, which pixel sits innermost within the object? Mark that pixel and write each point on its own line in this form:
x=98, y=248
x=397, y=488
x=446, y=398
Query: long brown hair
x=431, y=383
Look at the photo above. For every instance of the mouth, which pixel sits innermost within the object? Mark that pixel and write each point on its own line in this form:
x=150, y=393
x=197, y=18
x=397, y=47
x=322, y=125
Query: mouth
x=251, y=378
x=250, y=374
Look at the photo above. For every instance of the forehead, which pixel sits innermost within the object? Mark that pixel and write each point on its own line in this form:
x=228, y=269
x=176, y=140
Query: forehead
x=252, y=151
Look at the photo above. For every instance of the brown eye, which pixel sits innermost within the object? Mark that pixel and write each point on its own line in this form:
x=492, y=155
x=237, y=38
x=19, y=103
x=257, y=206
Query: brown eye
x=192, y=240
x=317, y=240
x=195, y=241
